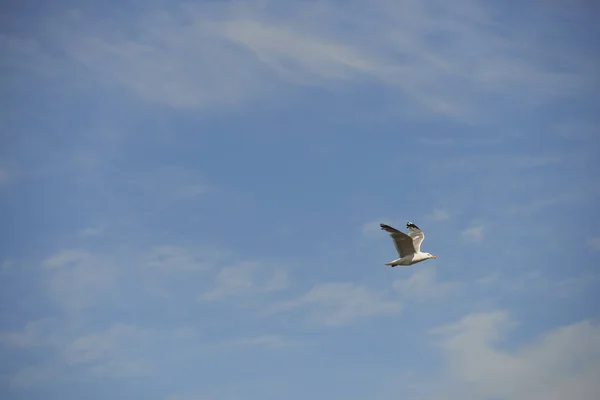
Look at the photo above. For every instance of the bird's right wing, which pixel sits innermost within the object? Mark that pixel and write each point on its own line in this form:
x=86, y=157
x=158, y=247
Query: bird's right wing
x=416, y=234
x=403, y=242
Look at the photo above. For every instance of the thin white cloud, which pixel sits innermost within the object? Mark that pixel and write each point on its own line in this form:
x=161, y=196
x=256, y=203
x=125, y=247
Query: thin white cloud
x=423, y=285
x=112, y=353
x=183, y=58
x=104, y=344
x=439, y=214
x=117, y=352
x=488, y=279
x=66, y=257
x=31, y=376
x=171, y=184
x=563, y=363
x=313, y=56
x=192, y=191
x=35, y=333
x=532, y=207
x=594, y=243
x=539, y=282
x=279, y=280
x=78, y=279
x=537, y=205
x=245, y=279
x=92, y=231
x=4, y=176
x=123, y=369
x=265, y=341
x=575, y=285
x=6, y=266
x=474, y=234
x=536, y=161
x=341, y=303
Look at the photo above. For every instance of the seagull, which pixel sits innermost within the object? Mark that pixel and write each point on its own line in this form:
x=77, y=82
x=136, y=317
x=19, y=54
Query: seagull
x=408, y=246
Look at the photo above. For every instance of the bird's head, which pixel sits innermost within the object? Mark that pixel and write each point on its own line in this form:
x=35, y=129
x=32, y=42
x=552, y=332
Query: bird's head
x=429, y=255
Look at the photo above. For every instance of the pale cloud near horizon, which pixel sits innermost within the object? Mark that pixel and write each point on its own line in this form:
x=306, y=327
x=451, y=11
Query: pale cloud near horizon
x=563, y=363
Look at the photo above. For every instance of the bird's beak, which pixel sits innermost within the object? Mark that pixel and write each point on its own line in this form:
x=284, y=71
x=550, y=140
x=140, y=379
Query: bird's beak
x=434, y=256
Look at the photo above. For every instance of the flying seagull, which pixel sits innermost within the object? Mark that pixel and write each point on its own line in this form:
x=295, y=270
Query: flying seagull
x=408, y=246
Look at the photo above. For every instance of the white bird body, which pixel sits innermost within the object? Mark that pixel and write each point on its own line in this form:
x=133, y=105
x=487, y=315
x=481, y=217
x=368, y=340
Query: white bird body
x=407, y=245
x=410, y=259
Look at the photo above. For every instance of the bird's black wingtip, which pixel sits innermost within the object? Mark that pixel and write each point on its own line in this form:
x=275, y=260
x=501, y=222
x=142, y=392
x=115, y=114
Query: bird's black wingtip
x=388, y=228
x=411, y=225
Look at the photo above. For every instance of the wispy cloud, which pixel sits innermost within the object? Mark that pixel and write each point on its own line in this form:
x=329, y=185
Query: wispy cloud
x=78, y=279
x=341, y=303
x=544, y=369
x=533, y=206
x=594, y=243
x=245, y=279
x=264, y=341
x=537, y=205
x=103, y=345
x=35, y=333
x=31, y=376
x=474, y=234
x=65, y=258
x=192, y=191
x=116, y=352
x=423, y=285
x=575, y=285
x=4, y=176
x=438, y=214
x=123, y=369
x=91, y=231
x=488, y=279
x=6, y=266
x=194, y=60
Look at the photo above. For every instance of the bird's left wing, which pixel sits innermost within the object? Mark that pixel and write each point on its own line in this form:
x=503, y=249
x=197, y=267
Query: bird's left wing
x=404, y=243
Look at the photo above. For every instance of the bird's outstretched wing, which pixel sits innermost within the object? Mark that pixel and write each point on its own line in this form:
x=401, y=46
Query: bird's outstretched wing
x=416, y=234
x=403, y=242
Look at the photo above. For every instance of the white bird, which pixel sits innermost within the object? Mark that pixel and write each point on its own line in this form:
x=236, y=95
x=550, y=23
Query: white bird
x=408, y=246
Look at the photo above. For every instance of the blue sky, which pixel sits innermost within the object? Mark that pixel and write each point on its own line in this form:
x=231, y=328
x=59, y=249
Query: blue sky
x=190, y=195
